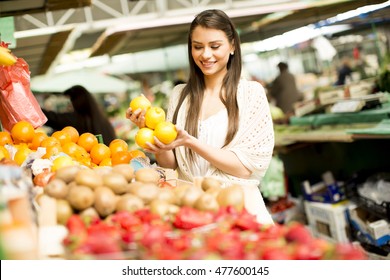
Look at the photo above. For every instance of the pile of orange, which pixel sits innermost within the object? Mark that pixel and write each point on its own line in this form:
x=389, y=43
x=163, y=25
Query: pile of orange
x=82, y=148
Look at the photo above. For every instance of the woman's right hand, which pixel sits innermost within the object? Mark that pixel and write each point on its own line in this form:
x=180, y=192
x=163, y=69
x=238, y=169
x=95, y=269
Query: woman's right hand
x=137, y=117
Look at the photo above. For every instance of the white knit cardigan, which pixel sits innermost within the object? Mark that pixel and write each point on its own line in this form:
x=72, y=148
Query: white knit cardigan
x=253, y=144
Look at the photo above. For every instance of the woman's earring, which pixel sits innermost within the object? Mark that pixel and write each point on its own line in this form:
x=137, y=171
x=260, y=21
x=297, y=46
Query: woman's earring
x=231, y=53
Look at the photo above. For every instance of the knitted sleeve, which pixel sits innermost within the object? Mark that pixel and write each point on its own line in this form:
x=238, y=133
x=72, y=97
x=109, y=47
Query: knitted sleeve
x=254, y=141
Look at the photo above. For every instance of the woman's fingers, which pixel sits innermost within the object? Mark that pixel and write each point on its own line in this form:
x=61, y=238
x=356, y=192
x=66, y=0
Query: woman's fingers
x=137, y=117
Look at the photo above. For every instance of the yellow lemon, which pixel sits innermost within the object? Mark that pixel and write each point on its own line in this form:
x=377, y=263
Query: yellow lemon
x=153, y=116
x=165, y=132
x=144, y=135
x=140, y=102
x=60, y=162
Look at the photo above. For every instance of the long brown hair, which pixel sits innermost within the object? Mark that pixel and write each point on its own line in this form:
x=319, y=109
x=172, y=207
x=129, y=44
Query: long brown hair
x=213, y=19
x=91, y=113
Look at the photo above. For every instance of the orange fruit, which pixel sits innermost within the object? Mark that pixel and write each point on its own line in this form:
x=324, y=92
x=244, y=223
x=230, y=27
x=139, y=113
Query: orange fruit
x=118, y=145
x=5, y=138
x=153, y=116
x=165, y=132
x=39, y=136
x=137, y=153
x=21, y=154
x=62, y=136
x=99, y=152
x=52, y=151
x=70, y=149
x=4, y=153
x=82, y=156
x=120, y=157
x=22, y=132
x=143, y=136
x=87, y=140
x=50, y=141
x=140, y=102
x=73, y=133
x=106, y=162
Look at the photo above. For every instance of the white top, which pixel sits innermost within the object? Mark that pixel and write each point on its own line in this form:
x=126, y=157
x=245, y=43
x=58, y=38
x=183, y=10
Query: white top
x=211, y=131
x=253, y=143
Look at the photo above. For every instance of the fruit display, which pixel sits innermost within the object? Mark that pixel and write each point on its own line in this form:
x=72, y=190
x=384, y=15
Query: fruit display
x=24, y=145
x=116, y=213
x=112, y=210
x=101, y=192
x=155, y=123
x=192, y=234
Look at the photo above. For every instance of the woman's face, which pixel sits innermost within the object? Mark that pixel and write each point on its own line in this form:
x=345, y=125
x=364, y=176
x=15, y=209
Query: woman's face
x=210, y=50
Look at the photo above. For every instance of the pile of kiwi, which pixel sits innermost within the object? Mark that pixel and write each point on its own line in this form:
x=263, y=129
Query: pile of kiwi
x=104, y=191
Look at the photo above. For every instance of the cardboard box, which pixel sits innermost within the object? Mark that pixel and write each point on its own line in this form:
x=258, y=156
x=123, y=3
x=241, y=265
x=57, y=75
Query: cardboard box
x=328, y=221
x=325, y=191
x=375, y=230
x=331, y=96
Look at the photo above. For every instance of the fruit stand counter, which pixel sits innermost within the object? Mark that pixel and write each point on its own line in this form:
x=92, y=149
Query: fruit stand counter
x=343, y=149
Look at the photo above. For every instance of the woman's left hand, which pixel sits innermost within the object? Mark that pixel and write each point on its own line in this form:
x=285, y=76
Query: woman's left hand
x=183, y=138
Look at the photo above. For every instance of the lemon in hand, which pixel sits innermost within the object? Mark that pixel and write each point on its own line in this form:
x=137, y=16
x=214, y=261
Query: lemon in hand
x=140, y=102
x=153, y=116
x=165, y=132
x=144, y=135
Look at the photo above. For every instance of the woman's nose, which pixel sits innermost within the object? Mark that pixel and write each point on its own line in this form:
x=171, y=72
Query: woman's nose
x=206, y=53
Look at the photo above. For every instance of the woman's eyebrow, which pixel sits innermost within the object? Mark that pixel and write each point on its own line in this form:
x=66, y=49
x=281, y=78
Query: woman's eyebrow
x=212, y=42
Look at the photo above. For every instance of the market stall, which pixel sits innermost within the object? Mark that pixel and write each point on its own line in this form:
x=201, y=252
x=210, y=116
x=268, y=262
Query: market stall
x=351, y=144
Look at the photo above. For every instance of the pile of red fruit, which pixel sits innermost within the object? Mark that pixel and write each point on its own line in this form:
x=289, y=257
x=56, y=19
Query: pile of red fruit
x=195, y=235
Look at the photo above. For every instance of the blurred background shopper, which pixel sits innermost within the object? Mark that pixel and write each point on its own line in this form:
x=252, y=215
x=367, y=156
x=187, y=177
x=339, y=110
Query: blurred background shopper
x=283, y=90
x=87, y=115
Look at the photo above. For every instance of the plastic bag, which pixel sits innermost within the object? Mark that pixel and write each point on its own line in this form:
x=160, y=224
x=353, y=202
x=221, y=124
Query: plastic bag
x=16, y=99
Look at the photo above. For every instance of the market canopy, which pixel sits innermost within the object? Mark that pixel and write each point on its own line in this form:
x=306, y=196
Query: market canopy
x=94, y=82
x=114, y=27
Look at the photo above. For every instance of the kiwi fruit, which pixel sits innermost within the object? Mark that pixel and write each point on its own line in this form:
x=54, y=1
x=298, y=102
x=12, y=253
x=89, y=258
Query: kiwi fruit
x=214, y=191
x=207, y=202
x=81, y=197
x=210, y=182
x=166, y=195
x=132, y=185
x=56, y=188
x=64, y=210
x=179, y=192
x=67, y=173
x=89, y=213
x=88, y=177
x=102, y=170
x=116, y=182
x=129, y=202
x=125, y=169
x=231, y=196
x=159, y=207
x=190, y=196
x=147, y=192
x=105, y=201
x=147, y=175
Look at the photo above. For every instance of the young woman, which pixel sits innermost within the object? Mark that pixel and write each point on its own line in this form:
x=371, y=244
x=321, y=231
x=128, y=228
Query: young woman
x=223, y=122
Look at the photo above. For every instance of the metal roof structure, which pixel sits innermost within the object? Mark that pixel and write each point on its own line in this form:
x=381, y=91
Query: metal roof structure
x=47, y=30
